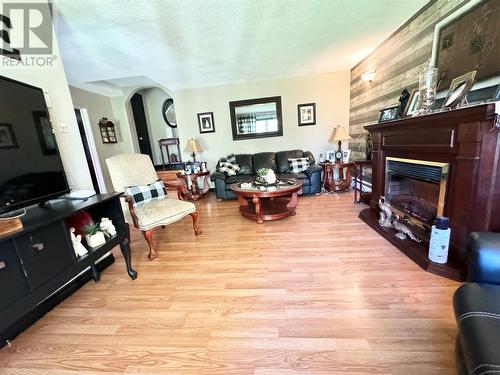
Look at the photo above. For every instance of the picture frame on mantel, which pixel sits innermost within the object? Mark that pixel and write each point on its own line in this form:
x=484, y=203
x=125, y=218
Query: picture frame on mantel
x=306, y=114
x=388, y=113
x=206, y=122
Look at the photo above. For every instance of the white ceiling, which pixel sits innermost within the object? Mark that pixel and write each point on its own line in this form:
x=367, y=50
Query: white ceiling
x=192, y=43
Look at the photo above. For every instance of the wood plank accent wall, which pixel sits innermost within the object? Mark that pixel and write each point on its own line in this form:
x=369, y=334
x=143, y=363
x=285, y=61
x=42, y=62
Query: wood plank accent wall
x=397, y=61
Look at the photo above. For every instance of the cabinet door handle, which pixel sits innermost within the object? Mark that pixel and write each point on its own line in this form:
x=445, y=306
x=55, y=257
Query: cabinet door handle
x=2, y=264
x=39, y=246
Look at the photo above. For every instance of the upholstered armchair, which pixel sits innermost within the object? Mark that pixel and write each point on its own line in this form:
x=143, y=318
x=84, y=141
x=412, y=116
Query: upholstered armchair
x=128, y=170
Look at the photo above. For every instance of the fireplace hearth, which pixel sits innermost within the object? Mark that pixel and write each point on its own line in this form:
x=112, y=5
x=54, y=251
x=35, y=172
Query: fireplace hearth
x=446, y=164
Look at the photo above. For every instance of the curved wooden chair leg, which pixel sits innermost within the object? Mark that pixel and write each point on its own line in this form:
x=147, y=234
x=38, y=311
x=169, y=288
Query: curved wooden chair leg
x=148, y=235
x=196, y=228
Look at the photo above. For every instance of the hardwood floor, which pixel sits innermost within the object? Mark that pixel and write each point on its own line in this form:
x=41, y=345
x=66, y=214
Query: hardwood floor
x=318, y=293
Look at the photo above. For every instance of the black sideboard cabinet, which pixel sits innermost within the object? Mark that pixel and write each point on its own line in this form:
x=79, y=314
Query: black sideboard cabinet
x=38, y=266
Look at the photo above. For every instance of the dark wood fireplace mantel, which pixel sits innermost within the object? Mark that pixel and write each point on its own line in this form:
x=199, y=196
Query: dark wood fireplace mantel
x=468, y=140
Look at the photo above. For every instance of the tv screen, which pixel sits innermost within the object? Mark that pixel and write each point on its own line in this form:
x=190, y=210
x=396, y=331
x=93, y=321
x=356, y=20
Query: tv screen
x=31, y=169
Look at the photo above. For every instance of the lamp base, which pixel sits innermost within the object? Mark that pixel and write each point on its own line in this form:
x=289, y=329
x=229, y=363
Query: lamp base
x=338, y=154
x=193, y=155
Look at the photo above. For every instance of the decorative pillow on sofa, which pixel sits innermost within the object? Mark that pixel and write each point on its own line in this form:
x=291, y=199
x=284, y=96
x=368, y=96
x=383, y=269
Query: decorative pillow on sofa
x=231, y=158
x=146, y=193
x=228, y=168
x=298, y=165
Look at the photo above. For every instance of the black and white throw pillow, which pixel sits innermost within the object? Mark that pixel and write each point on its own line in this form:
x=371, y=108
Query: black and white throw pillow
x=228, y=168
x=146, y=193
x=298, y=165
x=231, y=158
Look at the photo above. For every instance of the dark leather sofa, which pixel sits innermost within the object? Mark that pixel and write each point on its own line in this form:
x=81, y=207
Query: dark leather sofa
x=278, y=162
x=477, y=308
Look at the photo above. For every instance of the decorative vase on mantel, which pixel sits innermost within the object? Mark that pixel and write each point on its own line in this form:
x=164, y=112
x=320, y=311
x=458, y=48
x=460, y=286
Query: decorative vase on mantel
x=427, y=85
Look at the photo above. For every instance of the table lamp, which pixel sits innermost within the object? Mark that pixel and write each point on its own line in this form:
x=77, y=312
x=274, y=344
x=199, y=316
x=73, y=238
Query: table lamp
x=339, y=134
x=193, y=146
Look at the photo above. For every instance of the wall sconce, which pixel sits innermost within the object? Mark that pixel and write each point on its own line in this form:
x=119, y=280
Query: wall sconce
x=368, y=75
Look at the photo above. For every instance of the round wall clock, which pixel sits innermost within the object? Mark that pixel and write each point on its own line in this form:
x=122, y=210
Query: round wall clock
x=168, y=112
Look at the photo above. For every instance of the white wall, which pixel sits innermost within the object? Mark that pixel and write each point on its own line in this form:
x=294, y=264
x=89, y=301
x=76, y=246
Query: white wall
x=153, y=99
x=330, y=92
x=99, y=106
x=53, y=79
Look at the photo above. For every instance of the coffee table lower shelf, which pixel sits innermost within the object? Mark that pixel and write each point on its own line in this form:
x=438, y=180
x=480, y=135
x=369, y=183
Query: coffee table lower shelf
x=270, y=209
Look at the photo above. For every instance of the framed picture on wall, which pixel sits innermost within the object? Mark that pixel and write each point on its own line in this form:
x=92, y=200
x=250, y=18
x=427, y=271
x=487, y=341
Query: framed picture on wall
x=306, y=114
x=206, y=122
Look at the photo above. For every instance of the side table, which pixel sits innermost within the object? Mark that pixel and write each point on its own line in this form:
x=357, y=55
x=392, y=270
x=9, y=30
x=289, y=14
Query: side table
x=361, y=196
x=191, y=189
x=343, y=183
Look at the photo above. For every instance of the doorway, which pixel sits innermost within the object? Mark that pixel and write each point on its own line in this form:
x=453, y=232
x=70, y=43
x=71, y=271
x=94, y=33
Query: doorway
x=89, y=149
x=141, y=125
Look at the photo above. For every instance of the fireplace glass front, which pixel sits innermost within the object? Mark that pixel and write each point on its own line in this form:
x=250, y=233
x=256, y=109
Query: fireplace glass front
x=416, y=188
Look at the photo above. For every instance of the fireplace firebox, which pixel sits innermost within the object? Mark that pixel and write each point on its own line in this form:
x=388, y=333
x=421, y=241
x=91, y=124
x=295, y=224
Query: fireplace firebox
x=416, y=189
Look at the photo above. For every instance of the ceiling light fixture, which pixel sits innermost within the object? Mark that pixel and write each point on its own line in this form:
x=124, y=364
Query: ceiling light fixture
x=368, y=75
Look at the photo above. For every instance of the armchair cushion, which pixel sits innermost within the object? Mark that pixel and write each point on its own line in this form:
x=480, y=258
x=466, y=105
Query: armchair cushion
x=145, y=193
x=162, y=212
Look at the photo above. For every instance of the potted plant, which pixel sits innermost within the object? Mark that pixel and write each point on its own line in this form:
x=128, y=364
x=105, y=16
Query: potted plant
x=266, y=176
x=93, y=235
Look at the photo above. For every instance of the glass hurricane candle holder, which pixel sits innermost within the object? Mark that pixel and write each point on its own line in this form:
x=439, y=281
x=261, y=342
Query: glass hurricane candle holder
x=427, y=84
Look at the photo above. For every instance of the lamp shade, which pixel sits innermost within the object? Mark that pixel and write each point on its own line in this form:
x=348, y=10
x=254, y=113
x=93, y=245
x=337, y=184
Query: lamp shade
x=193, y=146
x=339, y=134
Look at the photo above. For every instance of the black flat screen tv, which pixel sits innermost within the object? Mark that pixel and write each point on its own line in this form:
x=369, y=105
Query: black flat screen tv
x=31, y=170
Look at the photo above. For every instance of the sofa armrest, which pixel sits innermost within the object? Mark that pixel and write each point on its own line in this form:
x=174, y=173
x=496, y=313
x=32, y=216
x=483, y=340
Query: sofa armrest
x=218, y=176
x=312, y=168
x=484, y=257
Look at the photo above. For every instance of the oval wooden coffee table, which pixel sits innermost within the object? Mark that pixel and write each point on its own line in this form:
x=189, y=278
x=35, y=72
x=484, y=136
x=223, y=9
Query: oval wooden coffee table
x=273, y=203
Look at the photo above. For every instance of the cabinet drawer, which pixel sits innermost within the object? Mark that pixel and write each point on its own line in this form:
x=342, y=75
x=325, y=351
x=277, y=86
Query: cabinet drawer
x=44, y=253
x=12, y=279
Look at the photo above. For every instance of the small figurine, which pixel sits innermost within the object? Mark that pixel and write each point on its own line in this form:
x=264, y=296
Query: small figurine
x=321, y=158
x=203, y=166
x=385, y=213
x=80, y=250
x=403, y=100
x=404, y=231
x=106, y=226
x=386, y=220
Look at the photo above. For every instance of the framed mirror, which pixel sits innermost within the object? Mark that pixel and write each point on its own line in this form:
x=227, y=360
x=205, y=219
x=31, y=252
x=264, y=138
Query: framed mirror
x=168, y=112
x=256, y=118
